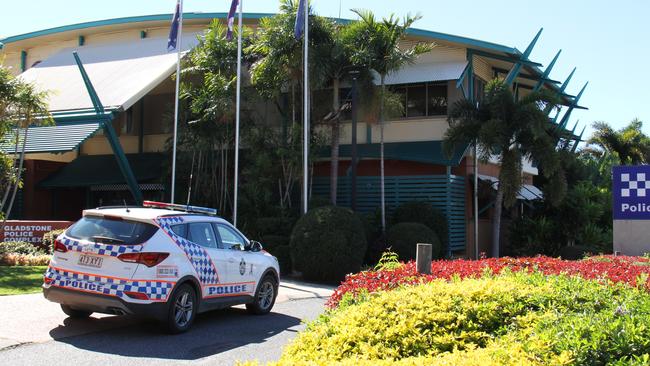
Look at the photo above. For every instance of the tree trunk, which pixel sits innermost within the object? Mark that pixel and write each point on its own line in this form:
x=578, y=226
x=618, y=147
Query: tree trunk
x=18, y=175
x=496, y=222
x=13, y=169
x=334, y=163
x=381, y=156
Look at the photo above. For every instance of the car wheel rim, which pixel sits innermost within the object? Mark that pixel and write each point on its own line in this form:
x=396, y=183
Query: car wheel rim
x=265, y=297
x=183, y=309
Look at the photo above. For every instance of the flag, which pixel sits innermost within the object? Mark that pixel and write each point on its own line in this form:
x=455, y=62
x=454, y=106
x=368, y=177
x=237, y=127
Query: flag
x=173, y=31
x=231, y=18
x=300, y=19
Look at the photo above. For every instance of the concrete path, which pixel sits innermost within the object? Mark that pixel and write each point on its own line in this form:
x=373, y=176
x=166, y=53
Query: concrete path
x=31, y=319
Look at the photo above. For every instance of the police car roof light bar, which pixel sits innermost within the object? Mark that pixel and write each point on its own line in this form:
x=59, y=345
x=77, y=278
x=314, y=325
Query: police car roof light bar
x=179, y=207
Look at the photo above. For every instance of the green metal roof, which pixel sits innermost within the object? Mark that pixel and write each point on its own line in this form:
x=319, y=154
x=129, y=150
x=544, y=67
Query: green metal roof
x=159, y=17
x=92, y=170
x=429, y=152
x=124, y=20
x=54, y=139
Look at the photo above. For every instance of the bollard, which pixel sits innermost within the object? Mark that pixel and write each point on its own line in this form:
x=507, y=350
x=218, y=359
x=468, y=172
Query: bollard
x=423, y=258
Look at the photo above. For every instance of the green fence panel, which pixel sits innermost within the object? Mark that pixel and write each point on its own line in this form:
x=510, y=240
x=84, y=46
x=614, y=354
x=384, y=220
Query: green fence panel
x=446, y=195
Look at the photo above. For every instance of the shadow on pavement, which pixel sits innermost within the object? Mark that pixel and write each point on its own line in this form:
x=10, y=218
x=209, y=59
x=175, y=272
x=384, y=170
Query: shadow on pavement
x=212, y=333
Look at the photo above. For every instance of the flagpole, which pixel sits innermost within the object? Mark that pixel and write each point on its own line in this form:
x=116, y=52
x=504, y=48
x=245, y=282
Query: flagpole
x=179, y=46
x=305, y=178
x=238, y=104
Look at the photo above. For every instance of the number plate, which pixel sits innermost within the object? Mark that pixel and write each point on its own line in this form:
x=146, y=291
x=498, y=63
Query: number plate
x=90, y=261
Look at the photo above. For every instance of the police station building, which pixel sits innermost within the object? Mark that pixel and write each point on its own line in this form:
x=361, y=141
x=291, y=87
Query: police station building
x=73, y=165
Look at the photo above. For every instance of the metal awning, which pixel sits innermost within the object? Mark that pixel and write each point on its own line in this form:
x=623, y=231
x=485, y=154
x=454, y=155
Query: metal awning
x=102, y=170
x=52, y=139
x=121, y=72
x=527, y=192
x=419, y=73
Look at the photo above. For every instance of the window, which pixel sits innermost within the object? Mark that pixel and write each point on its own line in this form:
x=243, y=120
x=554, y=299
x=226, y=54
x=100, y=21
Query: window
x=422, y=100
x=437, y=99
x=201, y=233
x=479, y=88
x=180, y=230
x=416, y=101
x=230, y=238
x=111, y=230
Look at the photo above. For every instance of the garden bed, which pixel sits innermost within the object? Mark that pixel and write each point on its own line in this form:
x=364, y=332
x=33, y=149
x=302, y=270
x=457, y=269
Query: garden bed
x=525, y=311
x=619, y=269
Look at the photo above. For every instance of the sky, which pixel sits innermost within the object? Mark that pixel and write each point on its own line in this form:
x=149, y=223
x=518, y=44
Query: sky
x=607, y=41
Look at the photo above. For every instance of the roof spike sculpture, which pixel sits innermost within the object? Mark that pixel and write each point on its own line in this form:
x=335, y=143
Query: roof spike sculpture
x=568, y=80
x=547, y=72
x=575, y=146
x=574, y=104
x=512, y=75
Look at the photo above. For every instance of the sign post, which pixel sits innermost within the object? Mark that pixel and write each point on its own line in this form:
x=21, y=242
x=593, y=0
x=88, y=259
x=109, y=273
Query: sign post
x=631, y=209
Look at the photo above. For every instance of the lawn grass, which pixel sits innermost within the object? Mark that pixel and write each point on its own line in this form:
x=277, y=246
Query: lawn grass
x=21, y=279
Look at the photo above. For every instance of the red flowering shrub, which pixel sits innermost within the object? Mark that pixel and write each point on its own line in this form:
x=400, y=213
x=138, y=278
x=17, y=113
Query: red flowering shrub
x=620, y=269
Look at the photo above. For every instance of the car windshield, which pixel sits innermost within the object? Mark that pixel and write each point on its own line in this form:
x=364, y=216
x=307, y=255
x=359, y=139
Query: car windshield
x=111, y=231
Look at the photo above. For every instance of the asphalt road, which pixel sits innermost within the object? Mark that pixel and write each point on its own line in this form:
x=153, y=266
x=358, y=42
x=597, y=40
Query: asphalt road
x=217, y=338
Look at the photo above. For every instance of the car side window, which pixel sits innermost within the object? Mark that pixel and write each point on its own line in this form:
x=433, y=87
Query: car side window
x=230, y=239
x=201, y=233
x=180, y=230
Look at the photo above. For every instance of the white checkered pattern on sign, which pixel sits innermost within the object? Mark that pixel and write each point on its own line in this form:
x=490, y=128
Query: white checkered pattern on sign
x=156, y=290
x=198, y=256
x=101, y=249
x=634, y=185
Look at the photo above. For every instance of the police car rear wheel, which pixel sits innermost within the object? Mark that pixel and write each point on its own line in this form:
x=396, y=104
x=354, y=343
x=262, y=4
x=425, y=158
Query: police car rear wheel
x=74, y=313
x=264, y=297
x=182, y=309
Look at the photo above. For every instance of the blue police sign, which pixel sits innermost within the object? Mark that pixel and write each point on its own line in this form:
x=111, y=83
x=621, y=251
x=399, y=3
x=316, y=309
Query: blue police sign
x=631, y=192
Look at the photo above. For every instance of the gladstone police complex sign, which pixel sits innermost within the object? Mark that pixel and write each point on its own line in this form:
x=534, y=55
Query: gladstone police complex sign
x=30, y=231
x=631, y=209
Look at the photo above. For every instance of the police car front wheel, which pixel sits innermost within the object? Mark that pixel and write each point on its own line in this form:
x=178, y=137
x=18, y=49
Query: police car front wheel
x=75, y=313
x=264, y=296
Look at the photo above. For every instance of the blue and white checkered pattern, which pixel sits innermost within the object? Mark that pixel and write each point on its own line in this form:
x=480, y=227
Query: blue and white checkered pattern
x=198, y=256
x=101, y=249
x=634, y=185
x=156, y=290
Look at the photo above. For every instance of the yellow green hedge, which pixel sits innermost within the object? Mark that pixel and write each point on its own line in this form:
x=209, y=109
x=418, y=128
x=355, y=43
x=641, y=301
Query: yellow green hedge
x=510, y=319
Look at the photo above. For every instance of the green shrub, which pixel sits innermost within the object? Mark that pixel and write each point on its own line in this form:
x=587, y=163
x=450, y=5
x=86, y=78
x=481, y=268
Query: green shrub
x=509, y=319
x=283, y=254
x=423, y=213
x=274, y=241
x=280, y=225
x=48, y=239
x=404, y=237
x=17, y=247
x=327, y=243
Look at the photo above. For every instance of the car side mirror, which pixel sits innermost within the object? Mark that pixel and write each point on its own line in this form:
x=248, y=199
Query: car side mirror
x=255, y=246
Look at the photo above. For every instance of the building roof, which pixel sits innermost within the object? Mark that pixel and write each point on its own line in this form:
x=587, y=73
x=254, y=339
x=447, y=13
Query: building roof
x=54, y=139
x=122, y=73
x=92, y=170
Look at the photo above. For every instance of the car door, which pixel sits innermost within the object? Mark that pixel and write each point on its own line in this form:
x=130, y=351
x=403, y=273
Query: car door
x=202, y=233
x=244, y=266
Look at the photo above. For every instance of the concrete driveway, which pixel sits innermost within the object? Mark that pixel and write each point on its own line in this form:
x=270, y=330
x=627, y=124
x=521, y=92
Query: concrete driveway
x=35, y=331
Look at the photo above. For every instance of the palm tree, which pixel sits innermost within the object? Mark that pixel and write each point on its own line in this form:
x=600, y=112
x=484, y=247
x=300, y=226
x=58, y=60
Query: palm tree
x=629, y=144
x=509, y=130
x=21, y=106
x=376, y=46
x=277, y=65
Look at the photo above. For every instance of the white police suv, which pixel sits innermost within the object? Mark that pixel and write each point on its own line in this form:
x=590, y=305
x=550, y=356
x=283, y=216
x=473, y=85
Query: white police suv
x=162, y=261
